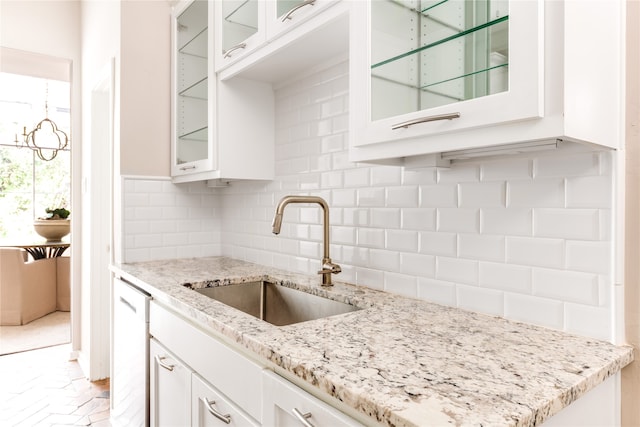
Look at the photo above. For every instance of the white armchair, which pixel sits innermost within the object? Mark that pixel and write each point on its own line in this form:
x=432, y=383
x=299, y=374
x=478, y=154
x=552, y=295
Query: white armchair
x=27, y=288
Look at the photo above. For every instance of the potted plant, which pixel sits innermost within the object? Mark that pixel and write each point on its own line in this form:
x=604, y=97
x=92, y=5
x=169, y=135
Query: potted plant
x=55, y=225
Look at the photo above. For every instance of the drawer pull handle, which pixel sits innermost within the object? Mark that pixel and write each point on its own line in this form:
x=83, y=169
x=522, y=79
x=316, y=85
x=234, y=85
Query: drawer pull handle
x=225, y=418
x=227, y=53
x=293, y=9
x=185, y=168
x=435, y=118
x=303, y=418
x=159, y=361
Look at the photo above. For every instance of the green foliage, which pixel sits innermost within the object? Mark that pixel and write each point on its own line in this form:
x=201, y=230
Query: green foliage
x=58, y=213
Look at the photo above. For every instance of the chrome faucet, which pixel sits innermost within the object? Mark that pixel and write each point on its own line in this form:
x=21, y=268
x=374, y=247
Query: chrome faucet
x=328, y=267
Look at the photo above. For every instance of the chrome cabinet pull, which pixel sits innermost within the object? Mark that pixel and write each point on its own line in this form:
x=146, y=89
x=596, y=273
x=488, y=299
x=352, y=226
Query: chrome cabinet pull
x=408, y=123
x=302, y=417
x=159, y=361
x=227, y=53
x=226, y=418
x=185, y=168
x=293, y=9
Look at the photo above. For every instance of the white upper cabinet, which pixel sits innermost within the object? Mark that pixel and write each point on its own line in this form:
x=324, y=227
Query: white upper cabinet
x=296, y=36
x=240, y=29
x=282, y=15
x=221, y=130
x=191, y=88
x=438, y=76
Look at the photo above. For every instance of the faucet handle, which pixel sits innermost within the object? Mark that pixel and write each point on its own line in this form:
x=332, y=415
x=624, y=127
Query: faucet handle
x=329, y=267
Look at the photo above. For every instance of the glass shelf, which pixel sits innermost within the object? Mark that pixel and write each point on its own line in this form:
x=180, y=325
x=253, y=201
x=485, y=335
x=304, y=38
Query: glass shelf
x=200, y=134
x=197, y=46
x=447, y=51
x=198, y=90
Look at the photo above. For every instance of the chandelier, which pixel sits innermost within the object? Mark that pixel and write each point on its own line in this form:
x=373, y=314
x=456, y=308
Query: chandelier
x=45, y=136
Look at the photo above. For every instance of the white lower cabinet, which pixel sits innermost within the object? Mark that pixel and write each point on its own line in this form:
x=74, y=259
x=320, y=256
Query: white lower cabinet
x=209, y=408
x=288, y=405
x=170, y=386
x=197, y=380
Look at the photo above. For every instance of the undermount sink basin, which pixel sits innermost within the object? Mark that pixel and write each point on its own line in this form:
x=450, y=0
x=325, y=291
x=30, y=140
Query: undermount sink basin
x=276, y=304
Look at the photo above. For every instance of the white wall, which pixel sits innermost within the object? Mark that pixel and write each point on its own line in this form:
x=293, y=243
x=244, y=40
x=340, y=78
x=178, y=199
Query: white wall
x=145, y=88
x=527, y=238
x=53, y=28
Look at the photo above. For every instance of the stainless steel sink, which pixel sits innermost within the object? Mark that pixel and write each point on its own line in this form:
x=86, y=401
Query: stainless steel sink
x=276, y=304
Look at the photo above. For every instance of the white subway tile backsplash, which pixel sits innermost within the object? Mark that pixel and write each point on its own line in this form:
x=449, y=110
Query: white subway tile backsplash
x=357, y=178
x=470, y=236
x=540, y=193
x=401, y=284
x=576, y=164
x=385, y=217
x=460, y=220
x=386, y=176
x=535, y=252
x=438, y=243
x=401, y=240
x=437, y=291
x=507, y=169
x=384, y=260
x=459, y=173
x=343, y=235
x=358, y=217
x=419, y=219
x=457, y=270
x=371, y=237
x=587, y=320
x=570, y=286
x=371, y=197
x=309, y=249
x=506, y=221
x=577, y=224
x=418, y=265
x=507, y=277
x=439, y=196
x=402, y=196
x=535, y=310
x=481, y=247
x=481, y=194
x=591, y=257
x=589, y=192
x=345, y=198
x=482, y=300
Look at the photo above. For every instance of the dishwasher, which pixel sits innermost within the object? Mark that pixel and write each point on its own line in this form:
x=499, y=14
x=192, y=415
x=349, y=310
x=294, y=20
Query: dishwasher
x=130, y=356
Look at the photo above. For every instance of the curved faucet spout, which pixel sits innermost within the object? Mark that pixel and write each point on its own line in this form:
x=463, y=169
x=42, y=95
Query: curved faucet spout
x=328, y=267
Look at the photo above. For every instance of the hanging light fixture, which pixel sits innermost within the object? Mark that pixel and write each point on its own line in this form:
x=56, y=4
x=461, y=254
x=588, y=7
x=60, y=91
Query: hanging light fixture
x=45, y=136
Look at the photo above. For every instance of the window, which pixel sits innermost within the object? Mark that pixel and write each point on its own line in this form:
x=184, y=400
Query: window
x=29, y=185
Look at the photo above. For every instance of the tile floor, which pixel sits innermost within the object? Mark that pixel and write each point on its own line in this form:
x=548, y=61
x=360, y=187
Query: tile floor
x=44, y=388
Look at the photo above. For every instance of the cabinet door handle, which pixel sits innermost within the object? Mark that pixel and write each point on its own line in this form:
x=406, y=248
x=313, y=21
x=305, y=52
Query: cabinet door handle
x=293, y=9
x=225, y=418
x=159, y=361
x=184, y=168
x=425, y=120
x=227, y=53
x=303, y=418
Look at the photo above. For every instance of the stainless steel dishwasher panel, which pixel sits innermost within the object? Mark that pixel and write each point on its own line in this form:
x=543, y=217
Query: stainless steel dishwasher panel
x=130, y=356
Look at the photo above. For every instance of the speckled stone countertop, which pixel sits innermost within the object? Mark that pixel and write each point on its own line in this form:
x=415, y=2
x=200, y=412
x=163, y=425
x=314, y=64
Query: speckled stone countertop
x=400, y=361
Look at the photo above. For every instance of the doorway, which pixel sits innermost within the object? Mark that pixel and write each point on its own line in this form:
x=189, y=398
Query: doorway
x=35, y=180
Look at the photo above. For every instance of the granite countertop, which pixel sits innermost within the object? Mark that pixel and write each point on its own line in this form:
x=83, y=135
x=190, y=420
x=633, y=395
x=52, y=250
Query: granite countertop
x=400, y=361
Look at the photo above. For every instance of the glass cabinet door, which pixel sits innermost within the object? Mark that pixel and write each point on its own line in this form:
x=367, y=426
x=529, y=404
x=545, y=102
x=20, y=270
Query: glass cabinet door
x=191, y=85
x=430, y=53
x=240, y=21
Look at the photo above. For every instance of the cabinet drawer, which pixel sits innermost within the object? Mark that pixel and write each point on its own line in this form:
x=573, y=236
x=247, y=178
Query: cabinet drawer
x=285, y=403
x=234, y=375
x=209, y=408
